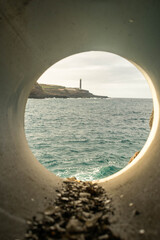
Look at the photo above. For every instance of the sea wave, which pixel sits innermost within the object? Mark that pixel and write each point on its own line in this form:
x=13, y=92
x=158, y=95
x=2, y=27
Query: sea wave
x=86, y=138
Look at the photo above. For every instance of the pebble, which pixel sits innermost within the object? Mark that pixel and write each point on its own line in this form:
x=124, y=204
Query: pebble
x=49, y=211
x=104, y=237
x=65, y=199
x=108, y=201
x=75, y=226
x=141, y=231
x=80, y=212
x=86, y=214
x=85, y=195
x=130, y=204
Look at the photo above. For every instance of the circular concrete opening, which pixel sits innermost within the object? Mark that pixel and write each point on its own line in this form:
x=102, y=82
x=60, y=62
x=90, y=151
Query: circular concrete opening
x=34, y=36
x=89, y=138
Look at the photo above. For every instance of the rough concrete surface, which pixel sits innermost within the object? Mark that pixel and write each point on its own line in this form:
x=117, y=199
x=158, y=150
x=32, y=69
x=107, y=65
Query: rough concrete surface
x=33, y=36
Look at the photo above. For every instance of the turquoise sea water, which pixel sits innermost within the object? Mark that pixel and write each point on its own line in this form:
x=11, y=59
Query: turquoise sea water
x=86, y=138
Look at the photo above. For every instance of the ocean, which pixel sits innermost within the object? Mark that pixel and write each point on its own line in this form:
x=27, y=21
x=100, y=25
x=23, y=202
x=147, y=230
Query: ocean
x=86, y=138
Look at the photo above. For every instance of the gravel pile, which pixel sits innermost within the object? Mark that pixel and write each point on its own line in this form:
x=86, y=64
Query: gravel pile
x=80, y=212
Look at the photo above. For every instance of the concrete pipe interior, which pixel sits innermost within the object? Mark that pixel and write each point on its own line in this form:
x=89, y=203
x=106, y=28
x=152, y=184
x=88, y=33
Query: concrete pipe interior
x=34, y=36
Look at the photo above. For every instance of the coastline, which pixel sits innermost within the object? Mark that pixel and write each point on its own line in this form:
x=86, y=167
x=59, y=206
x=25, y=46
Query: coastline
x=41, y=91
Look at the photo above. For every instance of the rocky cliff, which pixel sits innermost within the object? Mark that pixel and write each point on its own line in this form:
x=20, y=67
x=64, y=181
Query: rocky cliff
x=55, y=91
x=37, y=91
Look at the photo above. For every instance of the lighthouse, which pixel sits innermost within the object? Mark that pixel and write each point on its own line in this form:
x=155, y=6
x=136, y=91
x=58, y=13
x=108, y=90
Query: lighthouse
x=80, y=84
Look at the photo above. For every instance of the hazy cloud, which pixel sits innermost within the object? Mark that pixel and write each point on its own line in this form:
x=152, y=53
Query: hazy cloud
x=101, y=73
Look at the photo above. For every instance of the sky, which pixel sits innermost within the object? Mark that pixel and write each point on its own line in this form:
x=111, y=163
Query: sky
x=102, y=73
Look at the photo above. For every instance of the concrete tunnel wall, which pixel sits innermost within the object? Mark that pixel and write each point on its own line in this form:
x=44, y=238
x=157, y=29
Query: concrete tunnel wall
x=33, y=36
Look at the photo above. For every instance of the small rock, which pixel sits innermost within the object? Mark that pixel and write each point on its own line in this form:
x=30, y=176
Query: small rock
x=60, y=229
x=52, y=228
x=85, y=195
x=92, y=221
x=103, y=237
x=141, y=231
x=75, y=237
x=59, y=194
x=130, y=204
x=78, y=203
x=74, y=225
x=49, y=219
x=86, y=214
x=104, y=217
x=85, y=200
x=72, y=179
x=49, y=211
x=107, y=201
x=65, y=199
x=29, y=222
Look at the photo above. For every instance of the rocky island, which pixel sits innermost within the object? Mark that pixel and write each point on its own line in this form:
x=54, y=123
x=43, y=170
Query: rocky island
x=56, y=91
